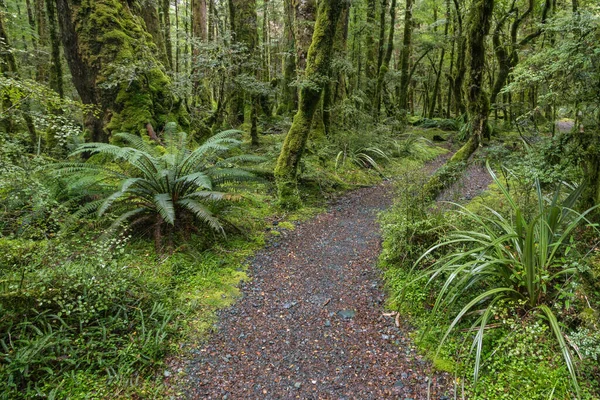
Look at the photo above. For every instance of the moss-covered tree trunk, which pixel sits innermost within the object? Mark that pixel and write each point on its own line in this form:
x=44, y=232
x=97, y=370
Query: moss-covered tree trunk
x=165, y=14
x=244, y=25
x=461, y=69
x=371, y=49
x=405, y=56
x=56, y=68
x=305, y=12
x=201, y=93
x=335, y=90
x=438, y=73
x=114, y=67
x=385, y=62
x=289, y=94
x=317, y=68
x=478, y=101
x=148, y=11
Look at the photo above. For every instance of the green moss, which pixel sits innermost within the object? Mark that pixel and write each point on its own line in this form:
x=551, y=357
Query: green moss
x=443, y=364
x=287, y=225
x=132, y=83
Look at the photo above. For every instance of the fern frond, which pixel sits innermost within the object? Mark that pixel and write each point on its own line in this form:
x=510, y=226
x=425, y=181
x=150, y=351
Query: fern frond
x=202, y=213
x=165, y=207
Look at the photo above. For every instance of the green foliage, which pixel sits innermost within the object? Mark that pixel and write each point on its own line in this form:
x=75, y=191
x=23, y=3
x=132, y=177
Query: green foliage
x=168, y=185
x=440, y=123
x=362, y=157
x=522, y=363
x=517, y=260
x=29, y=199
x=55, y=119
x=87, y=313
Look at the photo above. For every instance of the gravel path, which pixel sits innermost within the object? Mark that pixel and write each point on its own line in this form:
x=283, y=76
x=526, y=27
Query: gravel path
x=311, y=323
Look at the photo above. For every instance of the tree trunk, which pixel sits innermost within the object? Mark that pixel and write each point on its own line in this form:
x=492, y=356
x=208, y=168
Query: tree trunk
x=317, y=68
x=42, y=31
x=304, y=20
x=201, y=94
x=436, y=86
x=371, y=56
x=289, y=94
x=335, y=90
x=385, y=62
x=405, y=57
x=479, y=102
x=148, y=11
x=461, y=69
x=113, y=67
x=166, y=26
x=244, y=25
x=56, y=68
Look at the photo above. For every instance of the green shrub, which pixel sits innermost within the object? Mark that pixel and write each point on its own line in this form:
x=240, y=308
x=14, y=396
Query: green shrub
x=518, y=260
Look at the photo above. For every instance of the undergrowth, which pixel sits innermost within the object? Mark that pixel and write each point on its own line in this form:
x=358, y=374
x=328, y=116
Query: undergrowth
x=520, y=356
x=84, y=314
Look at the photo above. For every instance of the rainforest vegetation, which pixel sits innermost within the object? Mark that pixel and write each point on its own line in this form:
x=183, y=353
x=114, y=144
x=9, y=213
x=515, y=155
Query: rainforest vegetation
x=148, y=148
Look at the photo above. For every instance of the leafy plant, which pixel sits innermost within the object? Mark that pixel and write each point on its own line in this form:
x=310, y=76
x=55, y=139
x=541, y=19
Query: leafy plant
x=516, y=260
x=364, y=157
x=163, y=185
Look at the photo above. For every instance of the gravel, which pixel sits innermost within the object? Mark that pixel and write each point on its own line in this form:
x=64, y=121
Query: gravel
x=311, y=323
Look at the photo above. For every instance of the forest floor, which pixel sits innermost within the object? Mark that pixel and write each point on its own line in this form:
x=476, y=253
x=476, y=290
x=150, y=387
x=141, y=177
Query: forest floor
x=312, y=322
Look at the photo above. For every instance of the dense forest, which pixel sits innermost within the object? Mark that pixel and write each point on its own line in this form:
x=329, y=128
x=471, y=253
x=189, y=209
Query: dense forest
x=150, y=148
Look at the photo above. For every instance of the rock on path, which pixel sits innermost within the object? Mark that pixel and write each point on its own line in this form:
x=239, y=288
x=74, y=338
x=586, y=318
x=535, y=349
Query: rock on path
x=310, y=324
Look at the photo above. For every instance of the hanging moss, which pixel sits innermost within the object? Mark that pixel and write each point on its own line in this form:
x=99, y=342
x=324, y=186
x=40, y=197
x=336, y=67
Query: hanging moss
x=132, y=85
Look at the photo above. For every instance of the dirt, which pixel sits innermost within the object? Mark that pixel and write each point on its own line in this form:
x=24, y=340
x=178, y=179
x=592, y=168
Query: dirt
x=312, y=322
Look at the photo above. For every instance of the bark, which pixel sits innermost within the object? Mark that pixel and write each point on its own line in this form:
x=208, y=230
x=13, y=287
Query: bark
x=461, y=68
x=148, y=11
x=42, y=31
x=479, y=103
x=304, y=20
x=113, y=66
x=166, y=27
x=381, y=43
x=199, y=21
x=56, y=67
x=317, y=68
x=370, y=44
x=244, y=25
x=385, y=62
x=199, y=35
x=438, y=76
x=405, y=57
x=289, y=94
x=335, y=90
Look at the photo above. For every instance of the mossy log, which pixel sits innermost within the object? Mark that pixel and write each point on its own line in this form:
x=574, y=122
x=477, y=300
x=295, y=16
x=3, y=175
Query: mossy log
x=316, y=76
